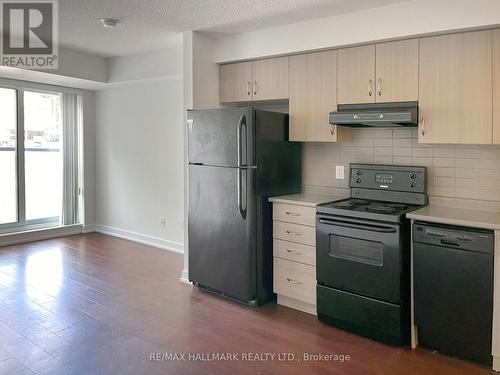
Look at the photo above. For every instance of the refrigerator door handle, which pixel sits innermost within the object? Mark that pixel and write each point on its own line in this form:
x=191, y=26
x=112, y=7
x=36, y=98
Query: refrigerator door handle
x=242, y=122
x=241, y=208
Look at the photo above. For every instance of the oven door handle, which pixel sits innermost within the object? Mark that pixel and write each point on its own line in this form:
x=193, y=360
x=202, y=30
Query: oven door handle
x=346, y=224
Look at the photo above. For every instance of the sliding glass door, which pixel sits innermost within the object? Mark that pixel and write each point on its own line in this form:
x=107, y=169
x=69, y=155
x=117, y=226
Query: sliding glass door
x=43, y=156
x=37, y=187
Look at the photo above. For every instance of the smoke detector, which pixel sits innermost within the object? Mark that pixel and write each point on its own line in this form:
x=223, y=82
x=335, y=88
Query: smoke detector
x=109, y=23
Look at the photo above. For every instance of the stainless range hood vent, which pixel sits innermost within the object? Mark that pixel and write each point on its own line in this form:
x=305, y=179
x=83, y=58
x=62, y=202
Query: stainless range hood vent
x=383, y=115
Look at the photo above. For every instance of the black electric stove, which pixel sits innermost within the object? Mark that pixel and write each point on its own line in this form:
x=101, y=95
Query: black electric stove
x=365, y=208
x=363, y=252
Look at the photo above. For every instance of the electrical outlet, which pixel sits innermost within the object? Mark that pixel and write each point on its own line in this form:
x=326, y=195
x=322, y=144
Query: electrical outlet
x=339, y=172
x=163, y=222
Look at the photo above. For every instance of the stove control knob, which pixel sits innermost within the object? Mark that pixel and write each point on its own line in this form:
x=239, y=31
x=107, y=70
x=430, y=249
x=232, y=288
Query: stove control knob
x=413, y=175
x=413, y=185
x=359, y=173
x=358, y=180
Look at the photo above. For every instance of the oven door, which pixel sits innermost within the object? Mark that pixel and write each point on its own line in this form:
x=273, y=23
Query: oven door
x=359, y=256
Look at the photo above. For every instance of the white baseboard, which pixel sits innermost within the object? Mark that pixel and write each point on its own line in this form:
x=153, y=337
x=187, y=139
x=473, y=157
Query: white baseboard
x=185, y=277
x=145, y=239
x=88, y=228
x=39, y=234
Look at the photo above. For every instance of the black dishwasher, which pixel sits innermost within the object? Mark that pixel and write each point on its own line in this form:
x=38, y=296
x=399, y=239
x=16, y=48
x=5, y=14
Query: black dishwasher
x=453, y=289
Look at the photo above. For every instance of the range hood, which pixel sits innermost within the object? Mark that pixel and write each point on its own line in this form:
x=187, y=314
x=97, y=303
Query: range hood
x=383, y=115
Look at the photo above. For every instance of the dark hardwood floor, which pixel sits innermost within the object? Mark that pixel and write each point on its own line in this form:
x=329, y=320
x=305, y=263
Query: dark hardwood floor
x=93, y=304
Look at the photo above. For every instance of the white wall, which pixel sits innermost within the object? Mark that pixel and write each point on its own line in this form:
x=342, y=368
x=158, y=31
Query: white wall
x=81, y=65
x=187, y=103
x=76, y=70
x=139, y=173
x=139, y=149
x=417, y=17
x=89, y=156
x=187, y=69
x=200, y=91
x=166, y=62
x=205, y=73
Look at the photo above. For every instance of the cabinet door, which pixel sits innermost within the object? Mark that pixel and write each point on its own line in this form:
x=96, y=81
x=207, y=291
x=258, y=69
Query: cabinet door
x=356, y=75
x=236, y=82
x=496, y=87
x=313, y=95
x=270, y=79
x=397, y=71
x=455, y=88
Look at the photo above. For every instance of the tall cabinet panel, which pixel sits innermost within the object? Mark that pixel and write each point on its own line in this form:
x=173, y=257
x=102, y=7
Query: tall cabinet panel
x=455, y=88
x=313, y=95
x=496, y=87
x=397, y=71
x=356, y=75
x=236, y=82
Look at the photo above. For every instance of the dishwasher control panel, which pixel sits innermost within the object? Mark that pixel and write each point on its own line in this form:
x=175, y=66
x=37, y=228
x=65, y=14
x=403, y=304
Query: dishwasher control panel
x=465, y=238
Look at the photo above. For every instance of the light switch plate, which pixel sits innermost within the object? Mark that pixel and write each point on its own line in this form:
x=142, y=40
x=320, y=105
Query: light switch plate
x=339, y=172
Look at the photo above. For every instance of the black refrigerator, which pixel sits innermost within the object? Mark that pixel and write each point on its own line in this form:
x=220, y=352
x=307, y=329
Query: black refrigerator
x=238, y=158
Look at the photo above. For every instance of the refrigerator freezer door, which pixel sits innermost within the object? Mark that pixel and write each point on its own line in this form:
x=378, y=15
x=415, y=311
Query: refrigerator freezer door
x=223, y=137
x=222, y=230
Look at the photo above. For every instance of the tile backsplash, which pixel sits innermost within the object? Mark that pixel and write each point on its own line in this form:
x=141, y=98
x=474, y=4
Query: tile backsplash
x=453, y=171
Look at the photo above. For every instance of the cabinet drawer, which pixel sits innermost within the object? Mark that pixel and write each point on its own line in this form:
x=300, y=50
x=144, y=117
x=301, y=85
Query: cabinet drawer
x=295, y=280
x=294, y=214
x=294, y=251
x=294, y=233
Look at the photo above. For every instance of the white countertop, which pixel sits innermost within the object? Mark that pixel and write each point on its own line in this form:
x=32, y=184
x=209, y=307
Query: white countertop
x=457, y=216
x=306, y=199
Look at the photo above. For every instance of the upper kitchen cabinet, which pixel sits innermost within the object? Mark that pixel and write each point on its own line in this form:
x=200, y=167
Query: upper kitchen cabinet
x=356, y=75
x=455, y=88
x=496, y=86
x=313, y=95
x=236, y=82
x=385, y=72
x=270, y=79
x=254, y=80
x=397, y=71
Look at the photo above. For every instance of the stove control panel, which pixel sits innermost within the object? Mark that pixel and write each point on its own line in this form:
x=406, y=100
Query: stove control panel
x=384, y=178
x=388, y=177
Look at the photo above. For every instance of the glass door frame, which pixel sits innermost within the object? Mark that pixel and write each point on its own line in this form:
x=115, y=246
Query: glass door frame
x=22, y=223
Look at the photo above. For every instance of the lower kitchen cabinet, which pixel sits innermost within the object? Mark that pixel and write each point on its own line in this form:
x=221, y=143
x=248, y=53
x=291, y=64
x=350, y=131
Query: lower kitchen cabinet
x=294, y=251
x=295, y=284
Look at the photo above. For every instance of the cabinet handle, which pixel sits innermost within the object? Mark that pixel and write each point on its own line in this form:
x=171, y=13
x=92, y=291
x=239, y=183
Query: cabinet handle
x=255, y=87
x=379, y=86
x=249, y=90
x=422, y=126
x=293, y=281
x=292, y=213
x=293, y=252
x=370, y=87
x=292, y=232
x=332, y=130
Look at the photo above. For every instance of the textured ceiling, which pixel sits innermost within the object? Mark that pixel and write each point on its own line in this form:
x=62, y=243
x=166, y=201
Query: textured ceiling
x=152, y=24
